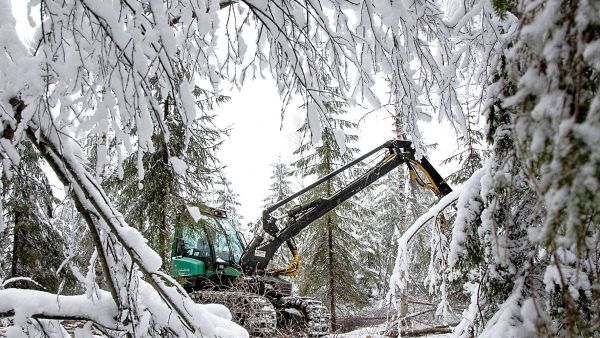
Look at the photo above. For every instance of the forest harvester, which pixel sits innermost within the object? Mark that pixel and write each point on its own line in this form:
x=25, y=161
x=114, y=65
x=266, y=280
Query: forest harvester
x=218, y=267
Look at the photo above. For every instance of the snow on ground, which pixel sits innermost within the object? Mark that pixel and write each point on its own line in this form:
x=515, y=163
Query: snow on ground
x=375, y=332
x=372, y=332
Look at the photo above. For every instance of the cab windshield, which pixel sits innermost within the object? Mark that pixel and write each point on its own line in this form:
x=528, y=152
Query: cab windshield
x=226, y=243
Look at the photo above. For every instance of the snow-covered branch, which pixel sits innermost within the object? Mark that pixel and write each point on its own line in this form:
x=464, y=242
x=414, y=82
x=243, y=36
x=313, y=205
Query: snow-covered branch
x=22, y=304
x=123, y=249
x=402, y=264
x=103, y=313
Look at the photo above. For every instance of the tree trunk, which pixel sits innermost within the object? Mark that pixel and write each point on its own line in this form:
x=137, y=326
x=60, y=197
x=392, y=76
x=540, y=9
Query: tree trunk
x=402, y=182
x=330, y=262
x=420, y=332
x=163, y=238
x=331, y=274
x=16, y=246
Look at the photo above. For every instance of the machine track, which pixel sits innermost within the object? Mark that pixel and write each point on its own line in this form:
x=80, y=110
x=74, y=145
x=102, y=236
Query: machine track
x=302, y=317
x=254, y=312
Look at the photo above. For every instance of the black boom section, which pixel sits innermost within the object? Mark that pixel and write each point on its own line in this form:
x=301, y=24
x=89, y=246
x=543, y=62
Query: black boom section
x=258, y=254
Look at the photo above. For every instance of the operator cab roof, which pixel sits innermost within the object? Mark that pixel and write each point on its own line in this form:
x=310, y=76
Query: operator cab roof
x=196, y=209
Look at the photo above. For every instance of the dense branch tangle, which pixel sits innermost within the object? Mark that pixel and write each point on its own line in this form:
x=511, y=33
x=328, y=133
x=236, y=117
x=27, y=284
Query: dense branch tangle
x=110, y=62
x=122, y=250
x=120, y=61
x=299, y=46
x=160, y=50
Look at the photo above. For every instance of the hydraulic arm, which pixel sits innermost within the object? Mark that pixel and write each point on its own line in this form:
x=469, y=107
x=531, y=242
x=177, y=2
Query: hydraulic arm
x=263, y=246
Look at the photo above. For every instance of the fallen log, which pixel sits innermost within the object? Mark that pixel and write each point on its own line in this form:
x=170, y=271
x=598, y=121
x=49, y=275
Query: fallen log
x=393, y=331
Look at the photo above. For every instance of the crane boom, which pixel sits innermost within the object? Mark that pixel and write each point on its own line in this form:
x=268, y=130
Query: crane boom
x=262, y=248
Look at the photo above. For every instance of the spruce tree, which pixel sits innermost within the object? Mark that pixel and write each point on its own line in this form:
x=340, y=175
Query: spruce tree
x=411, y=202
x=280, y=187
x=329, y=246
x=472, y=154
x=385, y=231
x=405, y=201
x=33, y=246
x=225, y=198
x=555, y=129
x=182, y=169
x=527, y=229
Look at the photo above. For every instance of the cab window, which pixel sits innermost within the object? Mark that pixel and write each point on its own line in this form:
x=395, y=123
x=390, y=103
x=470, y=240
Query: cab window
x=194, y=243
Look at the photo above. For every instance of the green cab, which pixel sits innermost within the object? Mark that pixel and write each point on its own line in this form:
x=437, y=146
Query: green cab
x=206, y=246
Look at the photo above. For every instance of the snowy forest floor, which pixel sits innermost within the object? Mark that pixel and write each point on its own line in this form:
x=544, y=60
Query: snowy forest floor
x=376, y=332
x=365, y=332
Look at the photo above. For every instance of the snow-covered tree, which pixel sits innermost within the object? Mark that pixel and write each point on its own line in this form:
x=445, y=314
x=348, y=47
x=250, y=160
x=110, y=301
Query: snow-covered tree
x=281, y=186
x=404, y=202
x=179, y=172
x=330, y=245
x=526, y=233
x=33, y=246
x=226, y=198
x=384, y=230
x=540, y=221
x=472, y=152
x=279, y=189
x=79, y=246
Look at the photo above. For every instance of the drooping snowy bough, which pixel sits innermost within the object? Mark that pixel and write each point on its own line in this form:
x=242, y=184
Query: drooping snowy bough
x=525, y=242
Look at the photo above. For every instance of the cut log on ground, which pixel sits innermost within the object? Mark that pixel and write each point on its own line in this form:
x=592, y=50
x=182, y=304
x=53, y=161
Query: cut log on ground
x=393, y=332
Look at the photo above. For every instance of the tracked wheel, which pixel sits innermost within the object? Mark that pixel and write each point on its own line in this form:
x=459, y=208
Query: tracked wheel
x=254, y=312
x=302, y=317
